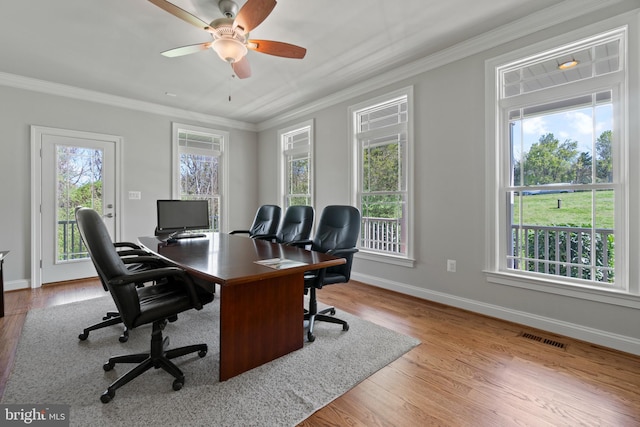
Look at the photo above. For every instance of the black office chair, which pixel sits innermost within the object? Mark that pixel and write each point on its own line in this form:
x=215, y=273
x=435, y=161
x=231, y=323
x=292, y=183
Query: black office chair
x=174, y=293
x=337, y=234
x=296, y=225
x=136, y=259
x=265, y=222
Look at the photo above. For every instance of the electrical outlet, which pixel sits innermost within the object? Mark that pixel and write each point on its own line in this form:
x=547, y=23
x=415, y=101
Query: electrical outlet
x=135, y=195
x=451, y=265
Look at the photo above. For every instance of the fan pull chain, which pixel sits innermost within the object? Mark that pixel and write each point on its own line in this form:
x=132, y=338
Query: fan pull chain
x=229, y=86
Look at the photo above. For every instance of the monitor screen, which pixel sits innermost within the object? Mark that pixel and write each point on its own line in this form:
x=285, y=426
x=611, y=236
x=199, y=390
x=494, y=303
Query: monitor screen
x=174, y=215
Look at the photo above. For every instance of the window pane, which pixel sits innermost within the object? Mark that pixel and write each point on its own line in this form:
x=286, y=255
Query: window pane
x=199, y=140
x=605, y=250
x=590, y=61
x=381, y=116
x=298, y=200
x=555, y=143
x=553, y=234
x=297, y=167
x=198, y=175
x=382, y=223
x=298, y=173
x=382, y=160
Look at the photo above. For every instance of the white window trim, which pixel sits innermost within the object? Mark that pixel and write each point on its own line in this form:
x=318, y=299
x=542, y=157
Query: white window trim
x=282, y=179
x=224, y=162
x=493, y=273
x=408, y=260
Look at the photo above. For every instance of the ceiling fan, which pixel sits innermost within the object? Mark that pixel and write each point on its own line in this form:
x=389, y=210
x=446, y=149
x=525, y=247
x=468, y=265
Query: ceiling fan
x=231, y=34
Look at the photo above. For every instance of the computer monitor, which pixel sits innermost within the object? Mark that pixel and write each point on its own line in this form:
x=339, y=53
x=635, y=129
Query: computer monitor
x=182, y=215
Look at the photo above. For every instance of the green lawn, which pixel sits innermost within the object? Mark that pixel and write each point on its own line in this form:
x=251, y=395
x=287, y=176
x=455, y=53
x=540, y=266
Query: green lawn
x=575, y=210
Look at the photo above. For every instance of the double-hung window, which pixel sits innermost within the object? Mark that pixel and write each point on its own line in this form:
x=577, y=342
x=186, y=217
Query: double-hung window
x=561, y=185
x=382, y=165
x=296, y=165
x=198, y=167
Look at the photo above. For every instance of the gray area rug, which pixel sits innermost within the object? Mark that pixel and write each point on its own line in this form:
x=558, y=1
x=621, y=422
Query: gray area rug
x=53, y=367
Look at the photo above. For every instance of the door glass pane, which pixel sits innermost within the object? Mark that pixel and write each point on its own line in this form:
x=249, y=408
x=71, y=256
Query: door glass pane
x=79, y=183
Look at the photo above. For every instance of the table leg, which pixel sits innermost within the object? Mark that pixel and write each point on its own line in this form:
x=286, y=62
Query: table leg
x=259, y=322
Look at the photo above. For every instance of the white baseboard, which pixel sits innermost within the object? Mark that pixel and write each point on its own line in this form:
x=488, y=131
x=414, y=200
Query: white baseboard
x=595, y=336
x=14, y=285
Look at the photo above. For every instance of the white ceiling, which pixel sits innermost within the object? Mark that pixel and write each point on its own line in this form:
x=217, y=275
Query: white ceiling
x=114, y=47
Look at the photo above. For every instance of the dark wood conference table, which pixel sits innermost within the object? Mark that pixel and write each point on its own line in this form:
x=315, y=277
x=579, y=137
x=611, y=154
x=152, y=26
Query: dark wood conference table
x=261, y=308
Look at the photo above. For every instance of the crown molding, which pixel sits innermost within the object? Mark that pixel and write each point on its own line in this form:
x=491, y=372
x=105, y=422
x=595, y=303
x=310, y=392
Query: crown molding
x=36, y=85
x=551, y=16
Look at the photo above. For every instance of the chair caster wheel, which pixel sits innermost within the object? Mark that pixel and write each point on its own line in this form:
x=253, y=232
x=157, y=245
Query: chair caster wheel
x=123, y=338
x=107, y=396
x=202, y=353
x=83, y=336
x=108, y=366
x=311, y=337
x=177, y=384
x=345, y=327
x=333, y=312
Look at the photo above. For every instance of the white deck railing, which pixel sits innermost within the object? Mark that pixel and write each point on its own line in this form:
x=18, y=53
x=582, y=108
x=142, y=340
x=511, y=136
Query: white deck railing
x=382, y=235
x=565, y=251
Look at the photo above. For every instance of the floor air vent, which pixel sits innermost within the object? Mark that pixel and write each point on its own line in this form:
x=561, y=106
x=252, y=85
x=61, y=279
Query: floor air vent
x=547, y=341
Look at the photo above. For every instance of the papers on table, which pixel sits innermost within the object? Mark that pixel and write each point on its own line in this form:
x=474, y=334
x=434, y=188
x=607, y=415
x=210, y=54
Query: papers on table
x=280, y=263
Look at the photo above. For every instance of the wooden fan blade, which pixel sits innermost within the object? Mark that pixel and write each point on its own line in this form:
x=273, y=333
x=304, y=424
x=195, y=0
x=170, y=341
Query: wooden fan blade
x=242, y=68
x=186, y=50
x=285, y=50
x=253, y=13
x=181, y=13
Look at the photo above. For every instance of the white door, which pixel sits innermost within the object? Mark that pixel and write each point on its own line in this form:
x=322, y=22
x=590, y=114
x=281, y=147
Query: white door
x=77, y=169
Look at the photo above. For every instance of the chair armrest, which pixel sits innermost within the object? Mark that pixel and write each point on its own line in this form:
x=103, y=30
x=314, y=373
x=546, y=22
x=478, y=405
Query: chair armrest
x=161, y=273
x=146, y=276
x=239, y=231
x=132, y=252
x=341, y=252
x=300, y=243
x=126, y=245
x=146, y=259
x=264, y=236
x=317, y=276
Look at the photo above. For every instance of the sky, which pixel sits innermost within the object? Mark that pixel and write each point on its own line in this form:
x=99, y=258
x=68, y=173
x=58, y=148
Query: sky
x=576, y=124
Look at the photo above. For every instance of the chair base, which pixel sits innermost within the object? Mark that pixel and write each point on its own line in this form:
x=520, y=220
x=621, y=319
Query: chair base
x=111, y=318
x=325, y=315
x=157, y=357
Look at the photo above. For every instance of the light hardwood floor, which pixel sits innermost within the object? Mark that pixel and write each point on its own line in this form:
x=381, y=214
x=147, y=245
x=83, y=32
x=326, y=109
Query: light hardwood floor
x=470, y=370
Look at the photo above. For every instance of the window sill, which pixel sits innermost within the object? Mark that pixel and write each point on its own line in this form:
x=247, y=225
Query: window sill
x=613, y=296
x=388, y=259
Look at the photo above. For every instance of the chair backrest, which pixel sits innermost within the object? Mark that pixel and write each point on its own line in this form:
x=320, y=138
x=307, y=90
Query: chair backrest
x=296, y=224
x=266, y=220
x=107, y=262
x=338, y=228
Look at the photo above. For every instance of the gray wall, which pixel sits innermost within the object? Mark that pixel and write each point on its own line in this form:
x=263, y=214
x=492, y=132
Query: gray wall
x=146, y=153
x=449, y=131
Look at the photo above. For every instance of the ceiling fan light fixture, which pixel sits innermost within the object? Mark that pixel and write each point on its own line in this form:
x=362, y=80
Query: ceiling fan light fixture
x=229, y=49
x=568, y=64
